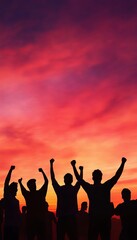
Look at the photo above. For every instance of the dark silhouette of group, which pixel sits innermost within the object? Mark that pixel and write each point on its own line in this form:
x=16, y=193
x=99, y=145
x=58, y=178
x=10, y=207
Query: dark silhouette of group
x=35, y=221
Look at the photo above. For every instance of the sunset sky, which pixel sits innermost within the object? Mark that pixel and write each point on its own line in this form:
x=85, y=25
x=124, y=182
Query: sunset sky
x=68, y=90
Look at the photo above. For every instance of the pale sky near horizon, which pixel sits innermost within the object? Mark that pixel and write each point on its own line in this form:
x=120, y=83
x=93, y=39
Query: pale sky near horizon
x=68, y=90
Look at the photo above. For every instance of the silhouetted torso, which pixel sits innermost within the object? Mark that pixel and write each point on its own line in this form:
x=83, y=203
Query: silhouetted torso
x=99, y=198
x=66, y=205
x=11, y=209
x=128, y=215
x=12, y=212
x=35, y=202
x=100, y=208
x=66, y=199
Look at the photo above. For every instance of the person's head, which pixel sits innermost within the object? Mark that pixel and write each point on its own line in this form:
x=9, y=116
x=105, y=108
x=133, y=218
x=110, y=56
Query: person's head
x=13, y=188
x=68, y=179
x=84, y=206
x=32, y=184
x=126, y=194
x=97, y=176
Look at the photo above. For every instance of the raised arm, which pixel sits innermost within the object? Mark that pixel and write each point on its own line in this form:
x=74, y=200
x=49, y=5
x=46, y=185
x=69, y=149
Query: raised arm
x=23, y=189
x=52, y=174
x=7, y=180
x=118, y=173
x=44, y=175
x=77, y=185
x=77, y=175
x=120, y=169
x=44, y=188
x=81, y=171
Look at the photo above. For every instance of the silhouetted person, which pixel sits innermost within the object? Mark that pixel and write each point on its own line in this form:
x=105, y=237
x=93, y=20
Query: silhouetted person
x=1, y=218
x=35, y=202
x=23, y=228
x=67, y=207
x=100, y=207
x=83, y=222
x=11, y=208
x=50, y=221
x=128, y=215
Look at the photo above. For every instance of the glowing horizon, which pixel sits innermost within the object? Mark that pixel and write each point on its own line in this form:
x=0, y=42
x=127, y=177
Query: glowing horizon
x=68, y=90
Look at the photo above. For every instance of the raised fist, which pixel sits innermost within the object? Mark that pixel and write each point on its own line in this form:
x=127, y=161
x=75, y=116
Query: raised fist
x=80, y=167
x=20, y=180
x=73, y=162
x=12, y=167
x=124, y=159
x=40, y=170
x=52, y=160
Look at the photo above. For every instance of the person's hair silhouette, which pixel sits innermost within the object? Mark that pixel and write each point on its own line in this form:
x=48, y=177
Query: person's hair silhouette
x=126, y=194
x=97, y=176
x=31, y=184
x=100, y=207
x=35, y=202
x=68, y=179
x=84, y=206
x=67, y=207
x=128, y=215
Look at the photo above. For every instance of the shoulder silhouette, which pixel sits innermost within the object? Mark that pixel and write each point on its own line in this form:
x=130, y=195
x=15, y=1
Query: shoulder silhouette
x=128, y=215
